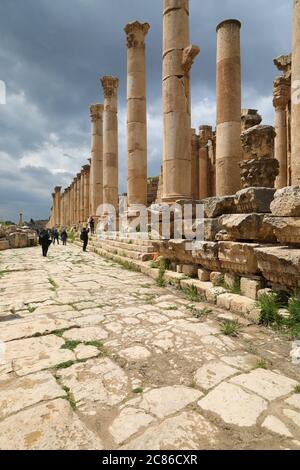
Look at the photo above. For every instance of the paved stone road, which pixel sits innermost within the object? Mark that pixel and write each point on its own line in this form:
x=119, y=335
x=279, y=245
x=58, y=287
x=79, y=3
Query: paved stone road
x=97, y=357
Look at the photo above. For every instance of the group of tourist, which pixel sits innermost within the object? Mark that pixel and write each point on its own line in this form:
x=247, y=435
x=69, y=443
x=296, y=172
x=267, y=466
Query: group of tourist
x=47, y=237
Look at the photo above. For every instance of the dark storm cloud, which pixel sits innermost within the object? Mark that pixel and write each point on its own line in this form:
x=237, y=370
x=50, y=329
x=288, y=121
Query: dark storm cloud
x=53, y=52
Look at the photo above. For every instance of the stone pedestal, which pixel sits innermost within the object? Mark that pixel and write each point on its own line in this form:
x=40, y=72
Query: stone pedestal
x=280, y=102
x=295, y=116
x=110, y=141
x=178, y=57
x=228, y=151
x=136, y=113
x=96, y=170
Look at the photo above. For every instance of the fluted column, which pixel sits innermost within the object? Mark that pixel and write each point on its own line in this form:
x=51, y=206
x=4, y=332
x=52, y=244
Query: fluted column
x=136, y=113
x=229, y=149
x=78, y=215
x=86, y=192
x=110, y=141
x=53, y=212
x=57, y=191
x=81, y=206
x=178, y=57
x=280, y=102
x=96, y=171
x=295, y=114
x=205, y=134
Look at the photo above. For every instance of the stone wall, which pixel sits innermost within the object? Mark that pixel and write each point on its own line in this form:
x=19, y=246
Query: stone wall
x=252, y=236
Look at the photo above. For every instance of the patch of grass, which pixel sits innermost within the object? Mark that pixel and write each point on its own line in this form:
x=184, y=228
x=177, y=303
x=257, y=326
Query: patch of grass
x=59, y=333
x=297, y=389
x=99, y=345
x=169, y=309
x=231, y=328
x=31, y=309
x=70, y=397
x=294, y=310
x=71, y=345
x=191, y=293
x=137, y=390
x=128, y=266
x=160, y=280
x=53, y=283
x=261, y=364
x=269, y=306
x=202, y=313
x=64, y=365
x=235, y=289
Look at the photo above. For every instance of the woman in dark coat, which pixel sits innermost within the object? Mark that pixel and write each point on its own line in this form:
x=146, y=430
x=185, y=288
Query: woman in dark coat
x=45, y=241
x=64, y=237
x=84, y=237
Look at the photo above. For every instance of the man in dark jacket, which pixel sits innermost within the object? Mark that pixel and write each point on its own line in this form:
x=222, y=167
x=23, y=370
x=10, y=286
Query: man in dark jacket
x=55, y=236
x=45, y=241
x=84, y=237
x=64, y=237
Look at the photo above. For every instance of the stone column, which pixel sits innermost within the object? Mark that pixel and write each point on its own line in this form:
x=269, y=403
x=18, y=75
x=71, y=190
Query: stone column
x=229, y=150
x=62, y=209
x=71, y=207
x=78, y=215
x=74, y=201
x=86, y=192
x=96, y=171
x=205, y=134
x=81, y=206
x=136, y=113
x=178, y=57
x=295, y=114
x=110, y=141
x=57, y=191
x=280, y=102
x=195, y=164
x=53, y=211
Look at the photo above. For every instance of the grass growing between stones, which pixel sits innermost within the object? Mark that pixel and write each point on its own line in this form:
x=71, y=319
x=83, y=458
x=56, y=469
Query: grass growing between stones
x=53, y=283
x=65, y=365
x=191, y=293
x=297, y=389
x=234, y=289
x=261, y=364
x=231, y=328
x=160, y=280
x=270, y=305
x=202, y=313
x=70, y=397
x=71, y=345
x=137, y=390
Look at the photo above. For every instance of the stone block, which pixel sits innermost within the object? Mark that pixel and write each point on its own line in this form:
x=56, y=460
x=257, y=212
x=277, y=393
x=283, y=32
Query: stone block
x=238, y=257
x=213, y=293
x=4, y=245
x=189, y=270
x=203, y=275
x=247, y=227
x=250, y=287
x=231, y=280
x=286, y=202
x=285, y=229
x=216, y=206
x=280, y=265
x=251, y=200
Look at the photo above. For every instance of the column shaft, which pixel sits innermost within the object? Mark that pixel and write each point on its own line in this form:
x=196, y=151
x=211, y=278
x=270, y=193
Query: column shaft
x=110, y=141
x=295, y=114
x=229, y=149
x=178, y=57
x=96, y=171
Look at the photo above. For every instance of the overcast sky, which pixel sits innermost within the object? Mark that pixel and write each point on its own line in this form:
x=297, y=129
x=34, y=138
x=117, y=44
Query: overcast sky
x=52, y=54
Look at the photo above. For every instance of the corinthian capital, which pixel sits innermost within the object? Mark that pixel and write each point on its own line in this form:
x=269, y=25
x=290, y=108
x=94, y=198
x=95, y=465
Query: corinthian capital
x=96, y=112
x=110, y=86
x=136, y=33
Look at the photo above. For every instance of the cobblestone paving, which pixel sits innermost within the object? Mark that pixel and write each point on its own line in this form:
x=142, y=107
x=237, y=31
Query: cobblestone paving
x=98, y=357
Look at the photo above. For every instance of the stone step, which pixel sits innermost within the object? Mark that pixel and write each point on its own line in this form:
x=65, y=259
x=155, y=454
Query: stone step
x=126, y=245
x=130, y=238
x=123, y=251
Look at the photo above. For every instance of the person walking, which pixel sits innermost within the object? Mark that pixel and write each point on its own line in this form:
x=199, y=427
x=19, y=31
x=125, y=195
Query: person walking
x=84, y=237
x=92, y=225
x=64, y=237
x=55, y=237
x=45, y=241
